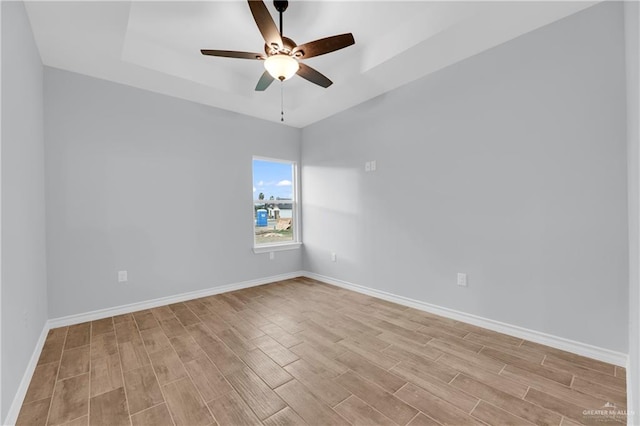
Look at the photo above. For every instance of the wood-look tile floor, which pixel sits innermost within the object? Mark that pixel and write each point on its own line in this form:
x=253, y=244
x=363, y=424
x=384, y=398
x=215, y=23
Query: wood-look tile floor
x=298, y=352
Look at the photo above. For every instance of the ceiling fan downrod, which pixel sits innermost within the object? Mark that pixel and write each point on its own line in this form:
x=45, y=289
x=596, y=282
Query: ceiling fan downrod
x=281, y=6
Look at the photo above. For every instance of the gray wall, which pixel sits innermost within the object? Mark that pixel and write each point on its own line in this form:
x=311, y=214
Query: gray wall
x=154, y=185
x=24, y=285
x=632, y=34
x=509, y=166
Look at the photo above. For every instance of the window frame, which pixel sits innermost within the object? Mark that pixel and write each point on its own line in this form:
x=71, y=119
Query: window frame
x=296, y=243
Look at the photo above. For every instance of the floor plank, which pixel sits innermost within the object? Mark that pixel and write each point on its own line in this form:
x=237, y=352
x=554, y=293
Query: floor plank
x=371, y=372
x=145, y=320
x=434, y=407
x=42, y=382
x=185, y=404
x=221, y=355
x=552, y=388
x=186, y=317
x=106, y=374
x=318, y=360
x=383, y=401
x=109, y=409
x=590, y=388
x=172, y=327
x=142, y=388
x=307, y=405
x=518, y=407
x=34, y=413
x=78, y=335
x=154, y=416
x=281, y=355
x=70, y=400
x=475, y=371
x=155, y=340
x=102, y=326
x=585, y=373
x=74, y=362
x=51, y=351
x=262, y=400
x=186, y=348
x=379, y=358
x=167, y=366
x=162, y=313
x=207, y=378
x=359, y=413
x=559, y=376
x=230, y=409
x=272, y=374
x=281, y=336
x=327, y=390
x=567, y=409
x=491, y=414
x=104, y=345
x=133, y=354
x=285, y=417
x=442, y=390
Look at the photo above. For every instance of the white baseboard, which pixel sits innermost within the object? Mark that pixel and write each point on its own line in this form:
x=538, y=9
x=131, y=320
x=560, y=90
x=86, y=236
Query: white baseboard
x=579, y=348
x=154, y=303
x=14, y=409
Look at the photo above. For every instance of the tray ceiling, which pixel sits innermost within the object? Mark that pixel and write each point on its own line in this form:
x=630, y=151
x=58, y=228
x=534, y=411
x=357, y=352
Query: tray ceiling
x=156, y=46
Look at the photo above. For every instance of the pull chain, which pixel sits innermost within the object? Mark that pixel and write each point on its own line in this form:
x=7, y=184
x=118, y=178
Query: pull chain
x=281, y=101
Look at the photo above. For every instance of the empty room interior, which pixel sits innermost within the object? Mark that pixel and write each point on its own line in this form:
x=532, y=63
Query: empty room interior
x=319, y=212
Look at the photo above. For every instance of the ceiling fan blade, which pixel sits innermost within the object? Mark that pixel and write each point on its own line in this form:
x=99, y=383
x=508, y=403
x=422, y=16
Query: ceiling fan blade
x=264, y=82
x=265, y=23
x=324, y=45
x=308, y=73
x=232, y=54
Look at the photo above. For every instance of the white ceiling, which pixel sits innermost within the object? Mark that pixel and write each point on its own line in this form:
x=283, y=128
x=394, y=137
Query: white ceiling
x=156, y=46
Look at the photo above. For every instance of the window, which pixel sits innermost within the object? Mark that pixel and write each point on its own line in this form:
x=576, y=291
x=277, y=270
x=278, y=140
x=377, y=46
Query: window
x=275, y=205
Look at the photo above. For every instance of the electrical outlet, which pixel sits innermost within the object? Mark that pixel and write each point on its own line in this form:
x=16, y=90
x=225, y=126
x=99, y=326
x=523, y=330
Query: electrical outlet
x=462, y=279
x=272, y=255
x=367, y=166
x=374, y=165
x=122, y=277
x=334, y=257
x=25, y=319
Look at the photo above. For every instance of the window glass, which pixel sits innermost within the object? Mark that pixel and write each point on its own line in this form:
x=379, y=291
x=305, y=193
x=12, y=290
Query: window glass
x=274, y=203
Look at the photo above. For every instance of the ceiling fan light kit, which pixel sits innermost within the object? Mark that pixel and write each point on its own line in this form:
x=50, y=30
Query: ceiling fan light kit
x=281, y=66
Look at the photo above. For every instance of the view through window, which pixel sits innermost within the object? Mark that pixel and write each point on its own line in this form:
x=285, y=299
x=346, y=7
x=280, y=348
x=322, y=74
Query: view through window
x=274, y=203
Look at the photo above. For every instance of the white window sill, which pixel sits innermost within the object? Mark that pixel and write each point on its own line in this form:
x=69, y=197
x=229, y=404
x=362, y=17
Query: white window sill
x=267, y=248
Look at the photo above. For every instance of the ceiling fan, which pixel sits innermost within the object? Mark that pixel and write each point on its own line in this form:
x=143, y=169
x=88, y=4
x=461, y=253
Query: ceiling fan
x=282, y=55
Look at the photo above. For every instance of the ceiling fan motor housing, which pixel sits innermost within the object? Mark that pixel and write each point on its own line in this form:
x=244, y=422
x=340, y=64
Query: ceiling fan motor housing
x=288, y=47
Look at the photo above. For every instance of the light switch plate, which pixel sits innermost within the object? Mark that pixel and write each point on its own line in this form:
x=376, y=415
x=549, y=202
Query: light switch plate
x=462, y=279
